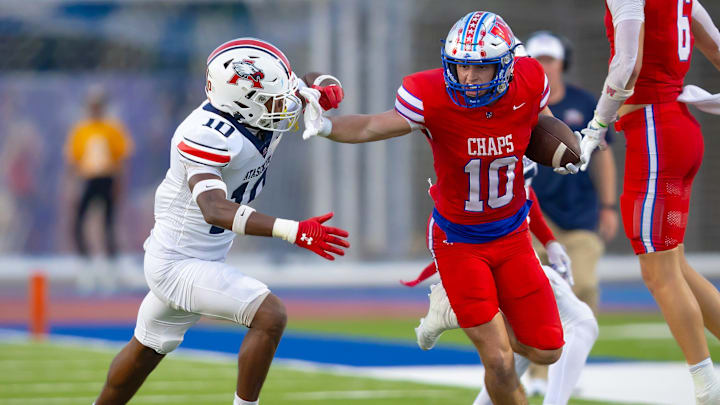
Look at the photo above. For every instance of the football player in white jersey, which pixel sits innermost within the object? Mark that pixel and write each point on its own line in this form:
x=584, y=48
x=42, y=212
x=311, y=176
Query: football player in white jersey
x=579, y=324
x=219, y=159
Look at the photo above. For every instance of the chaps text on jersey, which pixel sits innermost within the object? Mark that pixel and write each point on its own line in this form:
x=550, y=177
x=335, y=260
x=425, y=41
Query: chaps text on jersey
x=490, y=146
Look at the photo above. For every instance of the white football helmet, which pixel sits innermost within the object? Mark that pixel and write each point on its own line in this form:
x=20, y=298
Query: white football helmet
x=251, y=80
x=479, y=38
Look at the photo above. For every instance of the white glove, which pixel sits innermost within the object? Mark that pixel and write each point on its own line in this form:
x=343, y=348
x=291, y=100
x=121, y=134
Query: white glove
x=570, y=168
x=315, y=123
x=593, y=136
x=559, y=260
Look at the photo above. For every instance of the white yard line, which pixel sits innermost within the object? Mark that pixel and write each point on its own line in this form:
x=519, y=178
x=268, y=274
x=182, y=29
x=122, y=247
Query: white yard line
x=643, y=331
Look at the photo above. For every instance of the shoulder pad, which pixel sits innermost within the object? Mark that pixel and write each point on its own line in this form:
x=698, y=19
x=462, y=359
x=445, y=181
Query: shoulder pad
x=206, y=146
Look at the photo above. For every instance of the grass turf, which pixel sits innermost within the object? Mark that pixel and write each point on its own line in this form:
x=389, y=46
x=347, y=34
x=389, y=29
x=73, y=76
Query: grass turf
x=629, y=336
x=59, y=374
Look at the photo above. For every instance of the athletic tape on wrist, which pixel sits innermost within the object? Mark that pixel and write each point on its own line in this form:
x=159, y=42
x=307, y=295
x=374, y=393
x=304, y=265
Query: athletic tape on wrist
x=241, y=217
x=326, y=128
x=320, y=79
x=610, y=101
x=207, y=185
x=285, y=229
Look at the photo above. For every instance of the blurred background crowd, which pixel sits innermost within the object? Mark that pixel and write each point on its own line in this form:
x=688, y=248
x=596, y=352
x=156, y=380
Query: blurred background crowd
x=144, y=62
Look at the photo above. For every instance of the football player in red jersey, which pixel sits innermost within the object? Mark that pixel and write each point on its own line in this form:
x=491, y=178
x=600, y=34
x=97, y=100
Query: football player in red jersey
x=477, y=113
x=651, y=44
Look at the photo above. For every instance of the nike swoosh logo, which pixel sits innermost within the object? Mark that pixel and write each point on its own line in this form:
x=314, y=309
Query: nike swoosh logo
x=515, y=107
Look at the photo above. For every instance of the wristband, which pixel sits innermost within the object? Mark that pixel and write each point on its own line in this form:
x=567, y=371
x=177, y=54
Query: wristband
x=600, y=124
x=241, y=217
x=285, y=229
x=617, y=93
x=608, y=207
x=207, y=185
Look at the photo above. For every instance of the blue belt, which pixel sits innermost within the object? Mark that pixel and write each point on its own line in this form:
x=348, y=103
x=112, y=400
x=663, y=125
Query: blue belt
x=481, y=233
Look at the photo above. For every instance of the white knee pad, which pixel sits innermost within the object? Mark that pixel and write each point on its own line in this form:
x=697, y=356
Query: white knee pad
x=161, y=327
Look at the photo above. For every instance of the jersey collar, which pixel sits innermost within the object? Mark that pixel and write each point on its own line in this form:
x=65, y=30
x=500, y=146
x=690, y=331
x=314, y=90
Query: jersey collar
x=261, y=140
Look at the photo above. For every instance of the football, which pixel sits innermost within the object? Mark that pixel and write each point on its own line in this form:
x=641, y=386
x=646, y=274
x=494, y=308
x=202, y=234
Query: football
x=309, y=79
x=553, y=143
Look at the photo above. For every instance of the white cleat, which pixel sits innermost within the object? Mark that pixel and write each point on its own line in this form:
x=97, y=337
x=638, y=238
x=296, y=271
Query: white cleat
x=708, y=397
x=440, y=317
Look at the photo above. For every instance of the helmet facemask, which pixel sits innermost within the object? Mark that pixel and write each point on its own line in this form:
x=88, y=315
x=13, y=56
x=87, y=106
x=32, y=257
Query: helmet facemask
x=482, y=94
x=279, y=112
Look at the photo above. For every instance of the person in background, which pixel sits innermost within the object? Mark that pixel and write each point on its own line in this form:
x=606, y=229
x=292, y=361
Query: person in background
x=96, y=150
x=581, y=209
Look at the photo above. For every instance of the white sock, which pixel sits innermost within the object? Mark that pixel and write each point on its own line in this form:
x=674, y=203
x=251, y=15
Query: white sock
x=521, y=366
x=240, y=401
x=564, y=374
x=704, y=378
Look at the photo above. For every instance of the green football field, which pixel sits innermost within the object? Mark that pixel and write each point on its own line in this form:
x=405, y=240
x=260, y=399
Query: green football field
x=55, y=374
x=59, y=373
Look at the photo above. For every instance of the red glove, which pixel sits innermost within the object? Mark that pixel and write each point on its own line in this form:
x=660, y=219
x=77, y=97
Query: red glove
x=312, y=235
x=330, y=96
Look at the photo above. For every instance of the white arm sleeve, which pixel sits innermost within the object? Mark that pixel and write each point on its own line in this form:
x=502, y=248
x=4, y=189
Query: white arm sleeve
x=622, y=10
x=701, y=16
x=628, y=24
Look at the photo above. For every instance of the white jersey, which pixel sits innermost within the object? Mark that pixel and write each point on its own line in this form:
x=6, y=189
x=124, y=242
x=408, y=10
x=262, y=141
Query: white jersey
x=207, y=141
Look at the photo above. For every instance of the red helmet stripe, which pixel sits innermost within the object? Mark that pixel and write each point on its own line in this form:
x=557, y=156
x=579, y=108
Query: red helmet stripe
x=254, y=42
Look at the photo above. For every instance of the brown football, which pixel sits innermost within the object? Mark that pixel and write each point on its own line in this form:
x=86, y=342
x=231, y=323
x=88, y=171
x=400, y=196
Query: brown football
x=553, y=143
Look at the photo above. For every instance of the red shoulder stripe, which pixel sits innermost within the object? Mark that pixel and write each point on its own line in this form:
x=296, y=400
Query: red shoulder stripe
x=223, y=159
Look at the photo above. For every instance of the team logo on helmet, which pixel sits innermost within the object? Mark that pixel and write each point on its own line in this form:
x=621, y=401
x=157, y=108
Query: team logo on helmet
x=247, y=70
x=501, y=30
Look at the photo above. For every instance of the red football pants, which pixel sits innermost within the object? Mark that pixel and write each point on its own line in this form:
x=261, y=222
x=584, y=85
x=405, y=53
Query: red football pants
x=664, y=152
x=505, y=275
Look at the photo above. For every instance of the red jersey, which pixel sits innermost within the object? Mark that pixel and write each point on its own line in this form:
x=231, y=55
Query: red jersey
x=477, y=151
x=667, y=50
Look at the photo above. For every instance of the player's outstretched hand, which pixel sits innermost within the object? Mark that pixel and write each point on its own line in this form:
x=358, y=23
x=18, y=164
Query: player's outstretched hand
x=321, y=239
x=559, y=260
x=315, y=123
x=593, y=136
x=330, y=96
